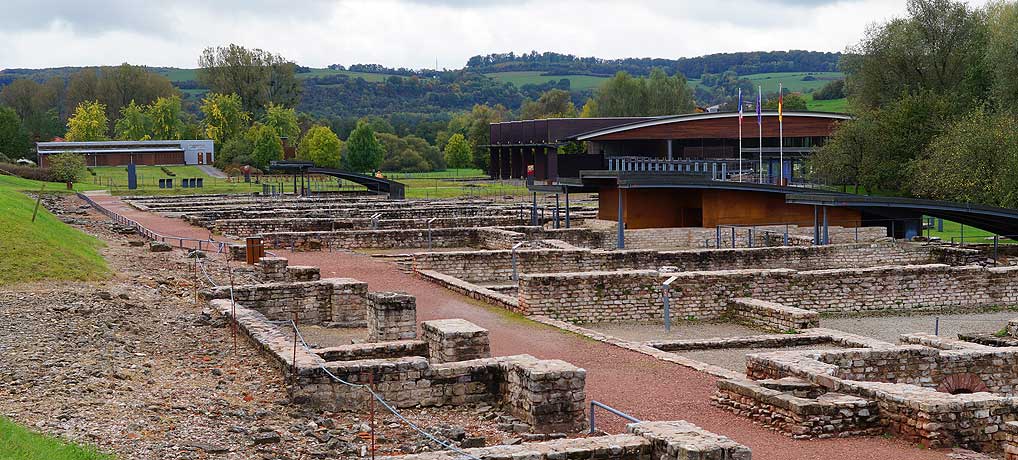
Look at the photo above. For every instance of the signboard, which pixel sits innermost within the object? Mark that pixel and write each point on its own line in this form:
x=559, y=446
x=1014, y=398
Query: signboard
x=530, y=174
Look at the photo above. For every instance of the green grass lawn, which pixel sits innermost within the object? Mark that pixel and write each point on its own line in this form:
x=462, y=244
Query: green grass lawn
x=18, y=443
x=46, y=249
x=467, y=173
x=520, y=78
x=832, y=105
x=971, y=235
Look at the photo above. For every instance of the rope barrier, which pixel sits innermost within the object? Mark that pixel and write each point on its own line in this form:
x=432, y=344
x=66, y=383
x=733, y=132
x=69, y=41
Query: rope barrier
x=375, y=395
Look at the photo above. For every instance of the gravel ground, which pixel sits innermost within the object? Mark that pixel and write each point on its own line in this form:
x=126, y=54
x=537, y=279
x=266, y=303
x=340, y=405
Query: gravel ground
x=638, y=384
x=889, y=328
x=133, y=366
x=642, y=332
x=735, y=358
x=320, y=337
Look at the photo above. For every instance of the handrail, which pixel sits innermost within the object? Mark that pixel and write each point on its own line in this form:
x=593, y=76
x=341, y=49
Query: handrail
x=611, y=410
x=146, y=232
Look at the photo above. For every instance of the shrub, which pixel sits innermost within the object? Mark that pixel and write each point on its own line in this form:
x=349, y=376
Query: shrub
x=26, y=172
x=167, y=171
x=66, y=167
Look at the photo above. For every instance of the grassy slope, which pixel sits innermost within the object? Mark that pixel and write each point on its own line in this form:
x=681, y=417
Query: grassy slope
x=178, y=75
x=46, y=249
x=18, y=443
x=576, y=82
x=833, y=105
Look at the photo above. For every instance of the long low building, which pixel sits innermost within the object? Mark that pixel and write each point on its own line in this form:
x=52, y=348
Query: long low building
x=122, y=153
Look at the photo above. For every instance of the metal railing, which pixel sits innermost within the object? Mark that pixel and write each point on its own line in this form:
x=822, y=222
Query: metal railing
x=220, y=246
x=612, y=410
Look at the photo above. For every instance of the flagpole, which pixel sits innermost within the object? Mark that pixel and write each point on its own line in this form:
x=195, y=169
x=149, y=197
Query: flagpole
x=740, y=134
x=759, y=130
x=781, y=139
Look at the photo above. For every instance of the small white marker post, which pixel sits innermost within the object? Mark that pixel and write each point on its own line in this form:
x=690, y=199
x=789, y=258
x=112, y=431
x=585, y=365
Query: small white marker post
x=665, y=288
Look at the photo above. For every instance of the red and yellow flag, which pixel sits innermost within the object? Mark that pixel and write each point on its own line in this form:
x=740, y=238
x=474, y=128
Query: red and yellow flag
x=780, y=103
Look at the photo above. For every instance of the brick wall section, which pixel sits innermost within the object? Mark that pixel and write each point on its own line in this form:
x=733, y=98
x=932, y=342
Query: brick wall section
x=771, y=316
x=339, y=301
x=677, y=440
x=636, y=294
x=455, y=339
x=391, y=316
x=496, y=266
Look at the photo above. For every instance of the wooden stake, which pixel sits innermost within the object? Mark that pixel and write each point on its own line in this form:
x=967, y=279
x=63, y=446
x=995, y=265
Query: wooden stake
x=37, y=200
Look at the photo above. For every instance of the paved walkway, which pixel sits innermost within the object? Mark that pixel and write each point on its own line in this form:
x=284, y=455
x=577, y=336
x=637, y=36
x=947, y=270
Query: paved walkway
x=634, y=383
x=212, y=171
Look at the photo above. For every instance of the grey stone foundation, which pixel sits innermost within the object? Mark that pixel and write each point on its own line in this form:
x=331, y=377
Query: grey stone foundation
x=391, y=316
x=452, y=340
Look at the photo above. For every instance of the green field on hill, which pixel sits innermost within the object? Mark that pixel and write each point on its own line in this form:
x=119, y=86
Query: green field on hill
x=46, y=249
x=832, y=105
x=520, y=78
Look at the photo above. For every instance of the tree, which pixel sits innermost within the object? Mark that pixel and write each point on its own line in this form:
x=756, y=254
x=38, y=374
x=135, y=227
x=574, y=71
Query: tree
x=320, y=146
x=554, y=103
x=364, y=152
x=430, y=153
x=35, y=106
x=791, y=102
x=14, y=140
x=165, y=114
x=265, y=145
x=937, y=48
x=66, y=167
x=401, y=155
x=134, y=124
x=975, y=160
x=457, y=152
x=1001, y=56
x=225, y=117
x=116, y=87
x=236, y=151
x=88, y=123
x=834, y=89
x=283, y=120
x=258, y=77
x=626, y=96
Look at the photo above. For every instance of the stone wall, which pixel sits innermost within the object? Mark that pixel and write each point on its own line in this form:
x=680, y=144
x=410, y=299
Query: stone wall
x=276, y=269
x=913, y=387
x=452, y=340
x=251, y=227
x=635, y=295
x=495, y=266
x=472, y=237
x=391, y=316
x=799, y=409
x=331, y=301
x=699, y=237
x=678, y=440
x=547, y=394
x=771, y=316
x=382, y=350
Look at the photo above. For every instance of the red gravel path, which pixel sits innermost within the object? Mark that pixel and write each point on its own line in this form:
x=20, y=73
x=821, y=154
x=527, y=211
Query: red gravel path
x=634, y=383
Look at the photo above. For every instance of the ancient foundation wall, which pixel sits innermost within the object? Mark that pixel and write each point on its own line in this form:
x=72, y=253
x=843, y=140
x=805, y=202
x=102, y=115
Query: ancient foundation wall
x=678, y=440
x=336, y=301
x=496, y=266
x=699, y=237
x=635, y=295
x=250, y=227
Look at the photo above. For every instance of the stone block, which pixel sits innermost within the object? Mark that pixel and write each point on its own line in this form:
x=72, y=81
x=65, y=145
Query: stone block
x=455, y=340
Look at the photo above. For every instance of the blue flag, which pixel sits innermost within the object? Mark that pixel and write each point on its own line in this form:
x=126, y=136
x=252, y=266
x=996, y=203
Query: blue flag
x=759, y=114
x=740, y=106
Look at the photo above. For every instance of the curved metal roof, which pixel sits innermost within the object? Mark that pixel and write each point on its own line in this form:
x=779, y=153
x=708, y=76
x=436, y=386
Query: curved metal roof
x=702, y=116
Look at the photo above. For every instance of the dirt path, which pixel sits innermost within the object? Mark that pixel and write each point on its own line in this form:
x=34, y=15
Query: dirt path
x=637, y=384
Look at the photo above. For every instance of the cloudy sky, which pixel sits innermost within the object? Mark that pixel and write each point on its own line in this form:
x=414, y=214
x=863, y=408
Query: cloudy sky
x=416, y=33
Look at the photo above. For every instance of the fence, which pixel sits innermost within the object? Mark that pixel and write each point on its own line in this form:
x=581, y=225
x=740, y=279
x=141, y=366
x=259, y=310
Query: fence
x=182, y=242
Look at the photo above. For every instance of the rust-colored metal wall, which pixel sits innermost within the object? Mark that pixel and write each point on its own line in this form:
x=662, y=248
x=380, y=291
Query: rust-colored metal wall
x=123, y=159
x=656, y=208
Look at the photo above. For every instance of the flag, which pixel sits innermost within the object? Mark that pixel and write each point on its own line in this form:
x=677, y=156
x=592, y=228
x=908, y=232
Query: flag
x=780, y=102
x=740, y=106
x=759, y=112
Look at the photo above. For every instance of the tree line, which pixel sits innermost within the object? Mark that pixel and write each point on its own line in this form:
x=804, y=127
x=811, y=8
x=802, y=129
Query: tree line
x=936, y=99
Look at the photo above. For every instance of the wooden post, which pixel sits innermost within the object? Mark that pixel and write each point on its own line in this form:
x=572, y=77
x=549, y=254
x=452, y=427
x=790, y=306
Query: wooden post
x=37, y=200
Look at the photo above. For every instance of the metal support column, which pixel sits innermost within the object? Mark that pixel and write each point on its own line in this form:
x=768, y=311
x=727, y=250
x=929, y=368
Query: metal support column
x=556, y=211
x=567, y=208
x=826, y=238
x=533, y=211
x=621, y=237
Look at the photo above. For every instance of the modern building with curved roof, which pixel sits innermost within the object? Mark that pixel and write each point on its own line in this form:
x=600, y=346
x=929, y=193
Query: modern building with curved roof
x=692, y=142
